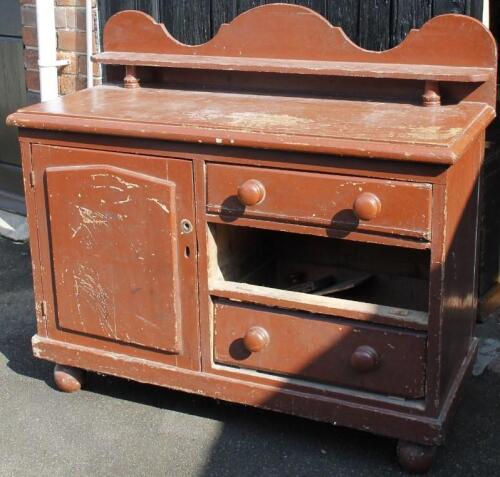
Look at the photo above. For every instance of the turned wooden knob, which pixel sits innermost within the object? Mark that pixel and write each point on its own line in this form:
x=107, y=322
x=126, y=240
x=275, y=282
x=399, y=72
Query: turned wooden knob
x=256, y=339
x=367, y=206
x=364, y=359
x=251, y=192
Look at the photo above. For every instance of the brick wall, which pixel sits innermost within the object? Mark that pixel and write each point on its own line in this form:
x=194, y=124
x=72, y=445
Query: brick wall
x=71, y=45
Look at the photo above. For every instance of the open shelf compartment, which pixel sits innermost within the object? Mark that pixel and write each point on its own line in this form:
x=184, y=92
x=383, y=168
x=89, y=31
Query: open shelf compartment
x=368, y=282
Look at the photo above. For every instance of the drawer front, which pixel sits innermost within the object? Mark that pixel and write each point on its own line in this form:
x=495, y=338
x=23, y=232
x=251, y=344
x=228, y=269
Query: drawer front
x=303, y=345
x=349, y=203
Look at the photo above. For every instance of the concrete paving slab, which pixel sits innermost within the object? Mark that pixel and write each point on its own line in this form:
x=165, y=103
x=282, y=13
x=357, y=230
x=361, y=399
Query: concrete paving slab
x=115, y=427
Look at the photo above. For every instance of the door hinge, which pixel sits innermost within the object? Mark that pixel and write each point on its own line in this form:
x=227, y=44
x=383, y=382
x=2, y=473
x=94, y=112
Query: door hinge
x=43, y=308
x=32, y=179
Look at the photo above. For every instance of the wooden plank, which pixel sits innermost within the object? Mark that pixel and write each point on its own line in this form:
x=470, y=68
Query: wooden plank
x=287, y=396
x=489, y=226
x=152, y=7
x=375, y=24
x=316, y=5
x=381, y=23
x=345, y=14
x=187, y=20
x=319, y=304
x=10, y=19
x=335, y=196
x=439, y=7
x=108, y=8
x=406, y=242
x=302, y=37
x=408, y=14
x=12, y=94
x=319, y=125
x=244, y=5
x=222, y=12
x=327, y=68
x=474, y=8
x=495, y=18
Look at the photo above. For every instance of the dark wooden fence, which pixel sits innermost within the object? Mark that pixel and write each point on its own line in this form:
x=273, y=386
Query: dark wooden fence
x=372, y=24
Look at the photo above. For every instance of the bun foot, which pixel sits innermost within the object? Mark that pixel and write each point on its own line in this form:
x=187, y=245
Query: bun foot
x=68, y=379
x=415, y=458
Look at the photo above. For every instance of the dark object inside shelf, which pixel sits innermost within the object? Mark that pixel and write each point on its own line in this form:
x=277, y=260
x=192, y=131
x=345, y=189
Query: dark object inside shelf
x=327, y=285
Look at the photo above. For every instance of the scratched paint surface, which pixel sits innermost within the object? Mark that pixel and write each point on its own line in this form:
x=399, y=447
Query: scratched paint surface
x=306, y=117
x=114, y=253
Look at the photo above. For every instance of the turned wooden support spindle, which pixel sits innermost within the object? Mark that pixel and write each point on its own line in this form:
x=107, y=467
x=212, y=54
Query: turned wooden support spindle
x=431, y=96
x=131, y=80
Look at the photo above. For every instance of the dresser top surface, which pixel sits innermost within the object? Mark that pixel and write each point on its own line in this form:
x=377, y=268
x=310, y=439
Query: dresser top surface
x=343, y=127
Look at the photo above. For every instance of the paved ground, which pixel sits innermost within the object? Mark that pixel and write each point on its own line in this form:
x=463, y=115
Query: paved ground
x=120, y=428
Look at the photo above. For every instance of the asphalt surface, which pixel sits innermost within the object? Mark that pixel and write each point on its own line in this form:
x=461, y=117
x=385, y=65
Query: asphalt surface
x=120, y=428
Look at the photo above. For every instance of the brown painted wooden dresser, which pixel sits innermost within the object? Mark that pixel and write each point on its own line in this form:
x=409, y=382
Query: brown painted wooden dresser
x=276, y=218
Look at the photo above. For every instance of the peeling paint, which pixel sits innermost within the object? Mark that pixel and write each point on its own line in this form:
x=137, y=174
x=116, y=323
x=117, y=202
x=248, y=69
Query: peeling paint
x=88, y=288
x=161, y=204
x=128, y=199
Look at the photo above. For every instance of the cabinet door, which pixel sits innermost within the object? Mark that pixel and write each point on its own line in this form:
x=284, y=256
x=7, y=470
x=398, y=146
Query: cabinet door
x=113, y=224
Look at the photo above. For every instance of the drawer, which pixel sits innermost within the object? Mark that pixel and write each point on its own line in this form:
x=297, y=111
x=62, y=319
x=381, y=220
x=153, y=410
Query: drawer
x=367, y=357
x=349, y=203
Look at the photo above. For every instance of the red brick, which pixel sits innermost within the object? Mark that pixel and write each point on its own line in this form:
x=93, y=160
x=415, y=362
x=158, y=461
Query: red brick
x=31, y=58
x=71, y=14
x=71, y=83
x=60, y=14
x=75, y=18
x=32, y=80
x=82, y=66
x=71, y=40
x=72, y=57
x=70, y=17
x=80, y=19
x=29, y=36
x=70, y=3
x=28, y=16
x=81, y=82
x=67, y=83
x=73, y=3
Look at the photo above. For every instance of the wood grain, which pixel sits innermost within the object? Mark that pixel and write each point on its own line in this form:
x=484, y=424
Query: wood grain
x=408, y=14
x=395, y=131
x=388, y=356
x=448, y=6
x=374, y=23
x=402, y=15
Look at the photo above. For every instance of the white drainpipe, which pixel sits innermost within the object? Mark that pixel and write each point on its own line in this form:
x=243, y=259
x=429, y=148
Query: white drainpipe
x=486, y=13
x=89, y=38
x=47, y=57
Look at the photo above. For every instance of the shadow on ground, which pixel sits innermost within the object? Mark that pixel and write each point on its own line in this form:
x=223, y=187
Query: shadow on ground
x=118, y=427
